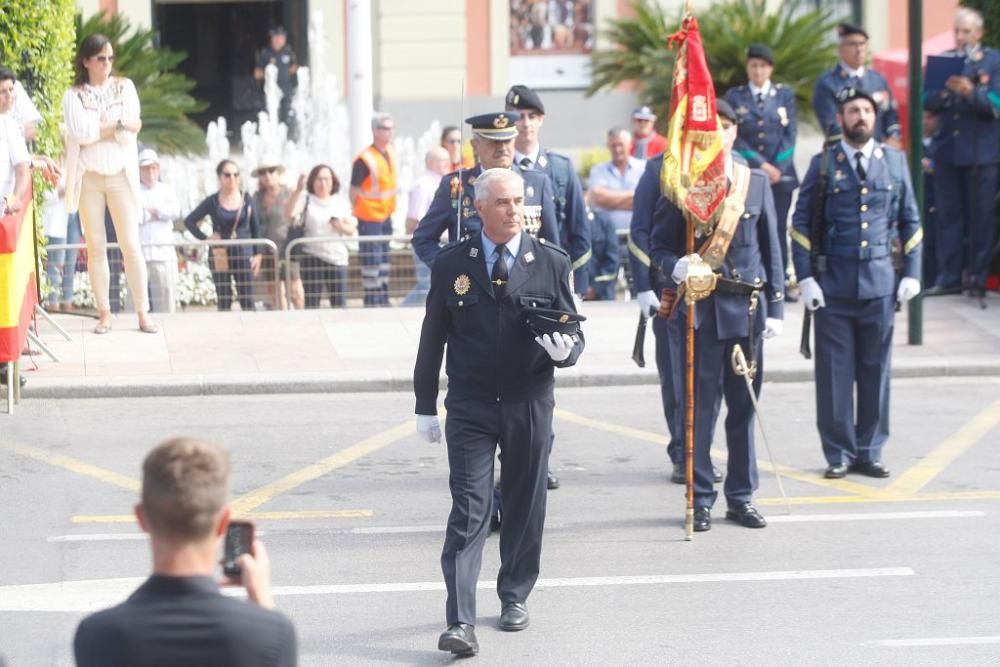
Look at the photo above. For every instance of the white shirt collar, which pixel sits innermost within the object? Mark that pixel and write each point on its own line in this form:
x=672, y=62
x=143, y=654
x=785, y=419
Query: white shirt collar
x=866, y=150
x=859, y=72
x=531, y=156
x=763, y=90
x=489, y=247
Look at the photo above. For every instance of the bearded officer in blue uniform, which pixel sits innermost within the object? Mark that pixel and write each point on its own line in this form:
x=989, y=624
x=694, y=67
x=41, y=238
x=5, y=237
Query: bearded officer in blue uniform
x=965, y=175
x=745, y=308
x=500, y=393
x=452, y=208
x=649, y=283
x=851, y=72
x=571, y=211
x=767, y=132
x=849, y=283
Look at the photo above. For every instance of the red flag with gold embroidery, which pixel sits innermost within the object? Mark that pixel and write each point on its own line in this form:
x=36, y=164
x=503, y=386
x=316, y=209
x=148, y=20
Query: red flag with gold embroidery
x=693, y=174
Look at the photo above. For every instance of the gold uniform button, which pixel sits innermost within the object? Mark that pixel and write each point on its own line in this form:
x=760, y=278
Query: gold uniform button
x=864, y=244
x=864, y=207
x=760, y=135
x=955, y=133
x=461, y=303
x=760, y=123
x=760, y=148
x=864, y=225
x=864, y=191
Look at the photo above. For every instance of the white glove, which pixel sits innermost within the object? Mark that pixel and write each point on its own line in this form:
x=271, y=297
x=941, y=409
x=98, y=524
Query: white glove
x=812, y=294
x=772, y=327
x=648, y=302
x=680, y=272
x=557, y=345
x=908, y=288
x=429, y=428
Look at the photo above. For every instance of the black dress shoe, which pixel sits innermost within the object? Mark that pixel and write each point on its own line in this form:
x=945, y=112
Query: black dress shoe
x=513, y=616
x=835, y=471
x=552, y=481
x=871, y=469
x=702, y=519
x=21, y=380
x=746, y=515
x=460, y=639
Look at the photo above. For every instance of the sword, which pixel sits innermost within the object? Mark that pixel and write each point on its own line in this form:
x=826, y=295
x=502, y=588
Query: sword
x=740, y=367
x=638, y=352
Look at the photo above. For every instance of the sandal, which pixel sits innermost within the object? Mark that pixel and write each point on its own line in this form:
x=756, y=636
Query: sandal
x=102, y=328
x=149, y=327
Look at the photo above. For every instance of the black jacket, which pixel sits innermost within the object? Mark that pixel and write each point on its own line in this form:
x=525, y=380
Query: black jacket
x=184, y=621
x=492, y=355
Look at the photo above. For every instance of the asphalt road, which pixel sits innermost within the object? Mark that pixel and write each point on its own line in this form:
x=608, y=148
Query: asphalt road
x=861, y=572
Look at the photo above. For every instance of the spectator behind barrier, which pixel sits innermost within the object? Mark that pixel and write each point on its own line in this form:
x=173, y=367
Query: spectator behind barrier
x=437, y=161
x=178, y=616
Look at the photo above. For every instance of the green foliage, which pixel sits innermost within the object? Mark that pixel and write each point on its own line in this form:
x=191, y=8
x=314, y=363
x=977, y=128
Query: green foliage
x=801, y=39
x=990, y=9
x=589, y=158
x=164, y=94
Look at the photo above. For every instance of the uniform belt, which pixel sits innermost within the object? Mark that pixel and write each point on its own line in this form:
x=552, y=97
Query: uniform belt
x=738, y=287
x=877, y=251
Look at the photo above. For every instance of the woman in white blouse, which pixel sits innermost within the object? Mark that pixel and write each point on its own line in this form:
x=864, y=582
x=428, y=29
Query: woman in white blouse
x=102, y=171
x=325, y=214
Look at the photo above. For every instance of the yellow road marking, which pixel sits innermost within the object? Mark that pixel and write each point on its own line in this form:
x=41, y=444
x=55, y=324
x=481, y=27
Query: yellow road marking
x=258, y=497
x=921, y=474
x=260, y=516
x=842, y=485
x=75, y=465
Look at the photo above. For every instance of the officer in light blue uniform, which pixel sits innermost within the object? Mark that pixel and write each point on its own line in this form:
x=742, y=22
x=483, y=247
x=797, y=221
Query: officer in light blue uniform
x=849, y=283
x=746, y=306
x=452, y=209
x=851, y=72
x=767, y=131
x=966, y=159
x=571, y=211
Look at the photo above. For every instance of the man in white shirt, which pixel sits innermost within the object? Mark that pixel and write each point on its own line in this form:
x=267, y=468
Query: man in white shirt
x=160, y=207
x=15, y=161
x=438, y=163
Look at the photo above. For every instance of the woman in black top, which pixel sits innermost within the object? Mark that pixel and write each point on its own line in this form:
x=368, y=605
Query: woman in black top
x=225, y=208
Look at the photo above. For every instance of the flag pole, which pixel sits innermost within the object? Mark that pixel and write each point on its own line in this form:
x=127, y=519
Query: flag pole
x=689, y=379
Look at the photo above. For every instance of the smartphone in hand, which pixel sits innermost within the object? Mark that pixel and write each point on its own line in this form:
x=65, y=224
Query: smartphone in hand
x=239, y=541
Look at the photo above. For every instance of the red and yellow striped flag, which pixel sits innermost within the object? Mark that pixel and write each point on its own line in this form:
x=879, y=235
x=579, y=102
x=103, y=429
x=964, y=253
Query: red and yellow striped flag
x=693, y=174
x=17, y=280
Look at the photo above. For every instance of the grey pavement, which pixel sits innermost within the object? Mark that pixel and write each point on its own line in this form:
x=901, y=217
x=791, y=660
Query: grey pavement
x=373, y=350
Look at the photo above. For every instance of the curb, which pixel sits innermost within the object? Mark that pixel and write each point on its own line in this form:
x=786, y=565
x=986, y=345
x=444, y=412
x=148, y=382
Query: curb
x=208, y=385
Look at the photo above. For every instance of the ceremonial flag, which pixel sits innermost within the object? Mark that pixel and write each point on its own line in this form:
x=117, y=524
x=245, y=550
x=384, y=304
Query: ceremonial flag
x=17, y=280
x=693, y=174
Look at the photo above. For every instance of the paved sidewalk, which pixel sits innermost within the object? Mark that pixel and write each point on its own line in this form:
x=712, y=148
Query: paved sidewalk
x=373, y=350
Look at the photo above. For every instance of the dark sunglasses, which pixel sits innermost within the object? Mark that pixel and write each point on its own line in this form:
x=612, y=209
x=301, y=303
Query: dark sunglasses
x=230, y=174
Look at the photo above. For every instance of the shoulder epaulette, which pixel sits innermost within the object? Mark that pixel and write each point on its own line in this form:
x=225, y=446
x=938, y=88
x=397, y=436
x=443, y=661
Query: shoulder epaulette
x=553, y=247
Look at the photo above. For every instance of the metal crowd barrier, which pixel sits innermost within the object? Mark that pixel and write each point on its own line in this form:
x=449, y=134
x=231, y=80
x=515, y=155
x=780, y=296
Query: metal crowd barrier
x=298, y=278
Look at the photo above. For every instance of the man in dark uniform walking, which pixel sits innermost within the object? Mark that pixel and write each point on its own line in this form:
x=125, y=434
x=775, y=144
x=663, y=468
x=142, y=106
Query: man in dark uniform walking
x=767, y=132
x=851, y=72
x=745, y=307
x=280, y=54
x=966, y=161
x=452, y=209
x=500, y=393
x=849, y=283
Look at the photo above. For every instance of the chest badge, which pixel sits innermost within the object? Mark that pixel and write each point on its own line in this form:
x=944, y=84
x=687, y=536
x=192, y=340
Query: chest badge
x=783, y=116
x=473, y=252
x=529, y=257
x=462, y=285
x=529, y=192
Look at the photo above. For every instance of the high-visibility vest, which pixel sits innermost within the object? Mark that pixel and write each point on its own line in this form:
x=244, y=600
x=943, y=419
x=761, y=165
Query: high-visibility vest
x=377, y=199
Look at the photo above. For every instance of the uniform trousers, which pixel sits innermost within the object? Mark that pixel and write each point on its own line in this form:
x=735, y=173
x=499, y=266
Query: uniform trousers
x=965, y=202
x=853, y=350
x=473, y=430
x=375, y=262
x=715, y=380
x=669, y=366
x=97, y=193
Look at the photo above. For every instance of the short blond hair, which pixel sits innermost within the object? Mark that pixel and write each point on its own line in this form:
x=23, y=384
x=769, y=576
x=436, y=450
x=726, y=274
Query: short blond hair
x=185, y=486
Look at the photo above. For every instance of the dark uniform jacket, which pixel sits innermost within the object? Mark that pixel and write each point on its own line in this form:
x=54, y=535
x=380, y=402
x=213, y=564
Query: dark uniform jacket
x=768, y=134
x=644, y=199
x=456, y=195
x=859, y=223
x=492, y=355
x=835, y=80
x=968, y=127
x=754, y=256
x=283, y=60
x=184, y=621
x=571, y=213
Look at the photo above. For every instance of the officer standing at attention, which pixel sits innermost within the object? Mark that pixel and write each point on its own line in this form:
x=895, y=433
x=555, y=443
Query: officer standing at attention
x=746, y=306
x=766, y=136
x=649, y=283
x=851, y=72
x=571, y=211
x=501, y=300
x=965, y=176
x=850, y=285
x=452, y=208
x=280, y=54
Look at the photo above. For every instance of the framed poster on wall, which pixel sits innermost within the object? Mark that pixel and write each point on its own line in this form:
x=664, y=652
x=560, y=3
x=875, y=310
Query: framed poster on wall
x=550, y=42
